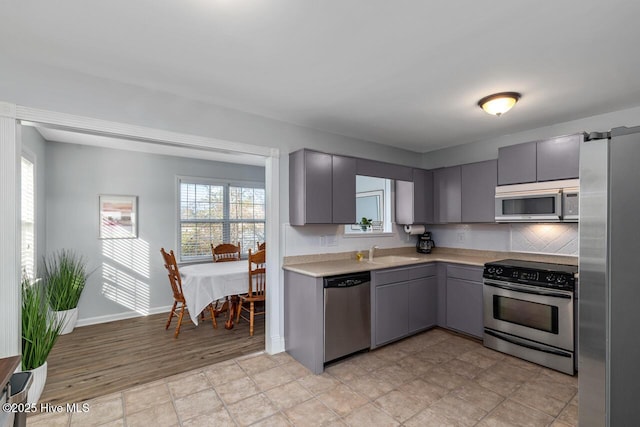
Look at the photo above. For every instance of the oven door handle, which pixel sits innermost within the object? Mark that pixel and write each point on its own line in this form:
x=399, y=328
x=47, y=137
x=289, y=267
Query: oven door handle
x=544, y=349
x=526, y=290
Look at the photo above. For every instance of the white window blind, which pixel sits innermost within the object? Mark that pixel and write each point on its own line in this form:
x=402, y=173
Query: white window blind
x=214, y=213
x=28, y=217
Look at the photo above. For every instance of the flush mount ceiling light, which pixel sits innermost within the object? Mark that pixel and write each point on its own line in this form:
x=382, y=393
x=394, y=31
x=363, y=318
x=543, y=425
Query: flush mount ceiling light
x=499, y=103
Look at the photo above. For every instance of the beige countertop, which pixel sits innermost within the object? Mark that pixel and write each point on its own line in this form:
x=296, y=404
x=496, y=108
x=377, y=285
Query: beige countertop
x=345, y=262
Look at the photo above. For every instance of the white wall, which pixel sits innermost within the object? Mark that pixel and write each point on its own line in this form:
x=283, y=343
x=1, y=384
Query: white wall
x=130, y=278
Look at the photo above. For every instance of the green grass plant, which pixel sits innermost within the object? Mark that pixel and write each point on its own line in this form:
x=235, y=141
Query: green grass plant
x=40, y=327
x=65, y=276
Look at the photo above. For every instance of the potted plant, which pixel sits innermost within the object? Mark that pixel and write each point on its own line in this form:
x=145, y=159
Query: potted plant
x=64, y=276
x=365, y=223
x=40, y=330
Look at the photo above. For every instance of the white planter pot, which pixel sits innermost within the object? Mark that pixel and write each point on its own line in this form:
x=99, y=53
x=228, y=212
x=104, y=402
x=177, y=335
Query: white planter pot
x=37, y=384
x=68, y=318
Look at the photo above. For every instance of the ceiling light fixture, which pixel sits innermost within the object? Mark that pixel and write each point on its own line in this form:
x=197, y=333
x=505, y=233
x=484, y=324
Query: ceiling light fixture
x=499, y=103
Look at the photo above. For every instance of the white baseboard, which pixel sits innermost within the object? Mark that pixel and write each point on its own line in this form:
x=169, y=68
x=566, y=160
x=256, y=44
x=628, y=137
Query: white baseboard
x=120, y=316
x=275, y=345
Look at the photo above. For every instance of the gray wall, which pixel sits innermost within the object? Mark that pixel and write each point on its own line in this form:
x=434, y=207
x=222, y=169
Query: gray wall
x=56, y=89
x=488, y=149
x=129, y=276
x=35, y=145
x=548, y=239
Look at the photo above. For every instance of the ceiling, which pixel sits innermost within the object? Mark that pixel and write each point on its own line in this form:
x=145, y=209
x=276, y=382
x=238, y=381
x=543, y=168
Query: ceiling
x=403, y=73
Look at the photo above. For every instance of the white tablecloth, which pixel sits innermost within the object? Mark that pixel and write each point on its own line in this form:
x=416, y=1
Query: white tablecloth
x=203, y=284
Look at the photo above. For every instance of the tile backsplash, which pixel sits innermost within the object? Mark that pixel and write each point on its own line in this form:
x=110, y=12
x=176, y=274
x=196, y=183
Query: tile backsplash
x=559, y=239
x=545, y=238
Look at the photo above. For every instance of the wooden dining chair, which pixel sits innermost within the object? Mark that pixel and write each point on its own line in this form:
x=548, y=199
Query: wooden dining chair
x=257, y=288
x=262, y=246
x=225, y=252
x=178, y=297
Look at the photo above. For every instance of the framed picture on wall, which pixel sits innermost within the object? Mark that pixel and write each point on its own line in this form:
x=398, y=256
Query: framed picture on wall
x=118, y=216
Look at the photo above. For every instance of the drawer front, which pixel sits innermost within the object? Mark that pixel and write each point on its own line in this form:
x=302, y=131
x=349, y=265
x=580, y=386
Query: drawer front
x=473, y=274
x=391, y=276
x=426, y=270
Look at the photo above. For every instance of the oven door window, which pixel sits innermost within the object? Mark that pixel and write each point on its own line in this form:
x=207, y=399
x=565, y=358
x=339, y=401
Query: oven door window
x=526, y=313
x=529, y=206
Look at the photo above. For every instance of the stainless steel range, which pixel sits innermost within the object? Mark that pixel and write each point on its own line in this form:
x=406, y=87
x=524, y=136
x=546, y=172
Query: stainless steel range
x=529, y=311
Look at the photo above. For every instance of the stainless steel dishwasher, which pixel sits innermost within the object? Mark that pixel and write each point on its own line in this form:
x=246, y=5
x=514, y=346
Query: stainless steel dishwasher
x=347, y=314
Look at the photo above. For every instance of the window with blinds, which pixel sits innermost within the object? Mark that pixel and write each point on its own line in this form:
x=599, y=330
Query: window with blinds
x=28, y=217
x=217, y=212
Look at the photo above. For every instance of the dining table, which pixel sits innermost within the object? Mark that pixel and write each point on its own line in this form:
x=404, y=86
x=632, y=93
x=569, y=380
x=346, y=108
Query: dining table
x=204, y=284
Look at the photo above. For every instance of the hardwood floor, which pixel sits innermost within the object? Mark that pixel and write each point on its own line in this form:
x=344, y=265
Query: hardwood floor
x=100, y=359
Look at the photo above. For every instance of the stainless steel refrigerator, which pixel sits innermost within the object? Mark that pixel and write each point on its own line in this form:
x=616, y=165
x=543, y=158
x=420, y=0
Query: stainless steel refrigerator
x=609, y=285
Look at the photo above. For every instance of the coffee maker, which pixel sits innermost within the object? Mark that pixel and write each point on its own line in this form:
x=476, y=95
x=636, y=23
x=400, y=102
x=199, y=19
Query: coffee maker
x=425, y=244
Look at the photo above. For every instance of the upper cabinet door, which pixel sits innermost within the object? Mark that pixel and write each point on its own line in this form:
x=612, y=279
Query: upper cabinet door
x=310, y=188
x=517, y=164
x=427, y=195
x=344, y=190
x=479, y=182
x=447, y=195
x=414, y=200
x=558, y=158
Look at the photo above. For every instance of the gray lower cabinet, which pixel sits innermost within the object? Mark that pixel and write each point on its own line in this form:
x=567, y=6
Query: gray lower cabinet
x=304, y=319
x=464, y=311
x=423, y=303
x=404, y=301
x=392, y=306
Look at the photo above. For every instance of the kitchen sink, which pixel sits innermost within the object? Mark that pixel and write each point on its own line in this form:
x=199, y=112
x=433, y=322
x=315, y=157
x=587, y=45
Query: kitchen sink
x=392, y=259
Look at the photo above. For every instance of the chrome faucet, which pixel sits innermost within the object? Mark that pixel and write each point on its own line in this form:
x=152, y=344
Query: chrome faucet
x=373, y=248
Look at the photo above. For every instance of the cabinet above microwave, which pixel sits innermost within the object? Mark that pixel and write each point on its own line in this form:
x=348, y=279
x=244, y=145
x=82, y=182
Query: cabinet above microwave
x=546, y=160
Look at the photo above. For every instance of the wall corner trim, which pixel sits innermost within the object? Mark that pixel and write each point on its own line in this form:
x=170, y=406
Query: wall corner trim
x=7, y=110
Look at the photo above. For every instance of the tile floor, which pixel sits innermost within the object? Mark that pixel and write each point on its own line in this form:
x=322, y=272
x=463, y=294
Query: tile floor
x=432, y=379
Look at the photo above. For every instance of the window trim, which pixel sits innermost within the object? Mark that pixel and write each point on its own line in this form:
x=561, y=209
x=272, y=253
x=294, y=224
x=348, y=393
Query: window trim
x=188, y=179
x=31, y=157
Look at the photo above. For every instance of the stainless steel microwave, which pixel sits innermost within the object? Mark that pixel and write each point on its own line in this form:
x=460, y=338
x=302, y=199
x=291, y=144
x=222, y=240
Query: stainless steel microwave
x=553, y=201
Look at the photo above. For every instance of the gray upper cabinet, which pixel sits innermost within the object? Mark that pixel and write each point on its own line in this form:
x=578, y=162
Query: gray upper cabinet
x=423, y=196
x=558, y=158
x=517, y=164
x=447, y=195
x=547, y=160
x=368, y=167
x=479, y=182
x=414, y=200
x=314, y=198
x=344, y=190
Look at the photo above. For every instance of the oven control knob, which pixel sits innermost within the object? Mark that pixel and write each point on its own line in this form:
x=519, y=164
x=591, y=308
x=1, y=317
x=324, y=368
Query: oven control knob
x=551, y=277
x=499, y=270
x=561, y=279
x=491, y=270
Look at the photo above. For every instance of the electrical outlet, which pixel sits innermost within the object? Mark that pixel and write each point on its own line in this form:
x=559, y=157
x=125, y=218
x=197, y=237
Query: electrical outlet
x=331, y=240
x=462, y=236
